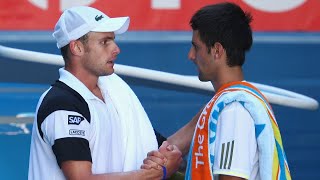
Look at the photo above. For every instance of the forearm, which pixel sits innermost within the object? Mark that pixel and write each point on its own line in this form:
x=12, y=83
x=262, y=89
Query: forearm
x=182, y=138
x=81, y=170
x=142, y=174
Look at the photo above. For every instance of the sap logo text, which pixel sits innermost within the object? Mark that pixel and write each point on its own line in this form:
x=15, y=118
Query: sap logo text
x=73, y=119
x=77, y=132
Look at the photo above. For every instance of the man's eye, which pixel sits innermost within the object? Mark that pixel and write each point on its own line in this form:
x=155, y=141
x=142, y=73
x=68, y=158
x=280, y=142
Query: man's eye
x=195, y=47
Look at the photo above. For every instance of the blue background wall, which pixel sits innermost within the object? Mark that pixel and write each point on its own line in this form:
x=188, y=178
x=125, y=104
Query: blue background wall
x=285, y=60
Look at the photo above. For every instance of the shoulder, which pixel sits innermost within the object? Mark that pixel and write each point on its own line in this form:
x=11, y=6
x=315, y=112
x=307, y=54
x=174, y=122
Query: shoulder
x=62, y=97
x=235, y=119
x=235, y=110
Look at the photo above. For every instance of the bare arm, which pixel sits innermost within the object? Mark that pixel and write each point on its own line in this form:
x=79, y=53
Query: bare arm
x=81, y=170
x=180, y=141
x=182, y=138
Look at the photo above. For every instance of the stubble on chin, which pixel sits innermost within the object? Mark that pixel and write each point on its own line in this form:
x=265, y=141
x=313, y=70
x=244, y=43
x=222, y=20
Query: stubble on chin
x=202, y=78
x=105, y=73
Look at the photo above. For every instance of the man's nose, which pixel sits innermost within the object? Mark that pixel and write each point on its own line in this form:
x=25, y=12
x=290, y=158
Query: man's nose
x=191, y=54
x=116, y=50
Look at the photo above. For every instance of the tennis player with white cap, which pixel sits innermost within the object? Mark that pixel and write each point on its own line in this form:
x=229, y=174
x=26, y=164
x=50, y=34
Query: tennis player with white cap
x=89, y=124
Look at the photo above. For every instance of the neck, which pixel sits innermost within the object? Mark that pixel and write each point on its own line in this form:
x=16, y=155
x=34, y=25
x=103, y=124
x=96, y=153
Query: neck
x=227, y=75
x=89, y=80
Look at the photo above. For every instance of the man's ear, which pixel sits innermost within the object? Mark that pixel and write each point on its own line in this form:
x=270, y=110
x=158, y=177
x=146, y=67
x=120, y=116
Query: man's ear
x=76, y=48
x=217, y=50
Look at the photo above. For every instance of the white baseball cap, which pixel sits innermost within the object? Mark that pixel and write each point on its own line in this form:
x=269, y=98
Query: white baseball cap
x=78, y=21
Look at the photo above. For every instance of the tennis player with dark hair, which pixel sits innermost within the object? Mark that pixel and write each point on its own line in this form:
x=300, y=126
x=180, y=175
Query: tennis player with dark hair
x=237, y=136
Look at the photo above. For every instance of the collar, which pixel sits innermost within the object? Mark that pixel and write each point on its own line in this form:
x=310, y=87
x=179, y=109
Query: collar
x=74, y=83
x=224, y=86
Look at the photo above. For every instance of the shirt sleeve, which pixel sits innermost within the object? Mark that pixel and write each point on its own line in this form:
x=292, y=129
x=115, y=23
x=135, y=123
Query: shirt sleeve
x=235, y=145
x=67, y=132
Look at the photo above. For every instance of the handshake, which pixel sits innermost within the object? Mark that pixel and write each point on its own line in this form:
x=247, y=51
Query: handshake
x=164, y=162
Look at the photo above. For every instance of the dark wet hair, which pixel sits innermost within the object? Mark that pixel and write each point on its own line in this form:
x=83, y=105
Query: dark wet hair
x=227, y=24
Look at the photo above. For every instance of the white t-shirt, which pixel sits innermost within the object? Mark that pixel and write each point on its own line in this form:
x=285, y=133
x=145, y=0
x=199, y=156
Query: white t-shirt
x=236, y=152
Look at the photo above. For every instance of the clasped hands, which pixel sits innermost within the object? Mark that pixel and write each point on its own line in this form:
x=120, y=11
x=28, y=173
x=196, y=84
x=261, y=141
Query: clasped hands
x=168, y=156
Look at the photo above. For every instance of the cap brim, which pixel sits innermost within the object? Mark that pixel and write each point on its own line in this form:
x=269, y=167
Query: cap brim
x=117, y=25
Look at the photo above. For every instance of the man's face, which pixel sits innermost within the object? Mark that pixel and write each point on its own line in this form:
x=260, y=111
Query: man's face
x=100, y=53
x=199, y=55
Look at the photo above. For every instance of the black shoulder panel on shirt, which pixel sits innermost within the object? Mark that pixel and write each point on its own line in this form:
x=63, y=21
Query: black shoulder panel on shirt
x=61, y=97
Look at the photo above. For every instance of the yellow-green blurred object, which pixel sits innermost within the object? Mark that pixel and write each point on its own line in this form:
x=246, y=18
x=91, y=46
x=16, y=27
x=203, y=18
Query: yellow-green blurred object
x=177, y=176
